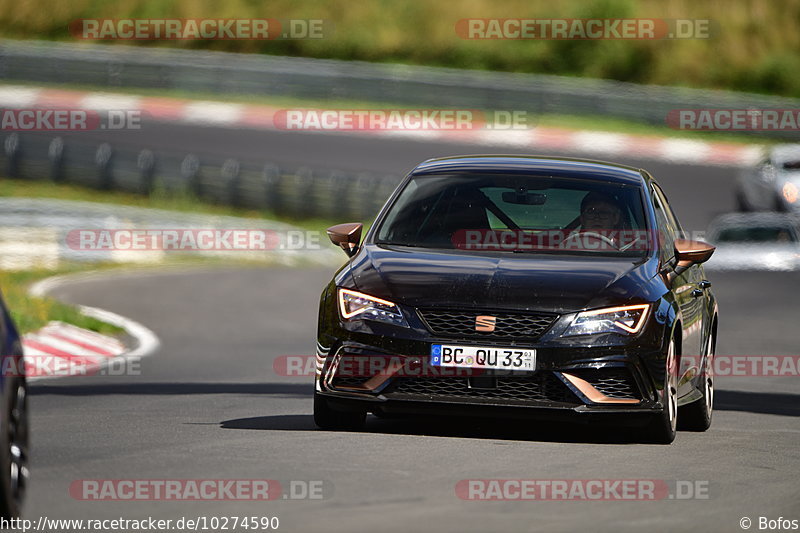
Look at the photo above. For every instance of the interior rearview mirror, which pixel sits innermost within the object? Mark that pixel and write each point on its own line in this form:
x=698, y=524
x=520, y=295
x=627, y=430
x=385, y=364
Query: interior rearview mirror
x=347, y=236
x=524, y=198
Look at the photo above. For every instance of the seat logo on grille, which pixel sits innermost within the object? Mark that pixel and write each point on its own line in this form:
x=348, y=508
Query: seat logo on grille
x=485, y=323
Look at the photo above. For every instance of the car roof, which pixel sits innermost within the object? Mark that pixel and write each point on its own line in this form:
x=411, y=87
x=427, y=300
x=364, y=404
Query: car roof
x=785, y=152
x=540, y=165
x=765, y=218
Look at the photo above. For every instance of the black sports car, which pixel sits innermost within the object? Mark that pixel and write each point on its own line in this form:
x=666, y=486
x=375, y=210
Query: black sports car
x=523, y=287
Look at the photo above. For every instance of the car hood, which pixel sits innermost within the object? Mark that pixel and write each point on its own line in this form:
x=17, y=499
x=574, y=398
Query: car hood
x=541, y=282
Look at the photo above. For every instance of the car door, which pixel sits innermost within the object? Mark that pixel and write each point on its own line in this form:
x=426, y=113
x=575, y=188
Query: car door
x=688, y=294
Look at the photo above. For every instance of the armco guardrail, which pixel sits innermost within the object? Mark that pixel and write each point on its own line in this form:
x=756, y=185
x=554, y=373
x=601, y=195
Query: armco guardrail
x=220, y=73
x=297, y=193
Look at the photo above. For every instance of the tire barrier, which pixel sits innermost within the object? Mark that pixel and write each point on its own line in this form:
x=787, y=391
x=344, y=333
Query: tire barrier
x=300, y=193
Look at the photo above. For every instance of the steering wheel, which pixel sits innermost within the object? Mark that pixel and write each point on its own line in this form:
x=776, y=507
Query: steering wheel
x=589, y=234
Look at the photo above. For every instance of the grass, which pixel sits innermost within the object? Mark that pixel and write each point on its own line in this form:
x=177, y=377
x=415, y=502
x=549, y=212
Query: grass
x=31, y=313
x=753, y=44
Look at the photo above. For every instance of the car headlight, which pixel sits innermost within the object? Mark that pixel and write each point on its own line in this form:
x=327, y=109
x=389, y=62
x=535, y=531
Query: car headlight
x=626, y=320
x=356, y=305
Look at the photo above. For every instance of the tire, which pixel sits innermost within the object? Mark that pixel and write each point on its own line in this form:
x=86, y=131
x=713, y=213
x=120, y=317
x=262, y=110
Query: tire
x=13, y=448
x=741, y=202
x=327, y=418
x=664, y=426
x=697, y=415
x=779, y=206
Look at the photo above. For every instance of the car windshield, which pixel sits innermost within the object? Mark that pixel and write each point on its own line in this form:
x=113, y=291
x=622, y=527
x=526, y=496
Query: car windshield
x=756, y=234
x=516, y=213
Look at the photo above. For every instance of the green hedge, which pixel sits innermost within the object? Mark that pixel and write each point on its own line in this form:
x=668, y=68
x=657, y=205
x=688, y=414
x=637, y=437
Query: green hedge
x=755, y=44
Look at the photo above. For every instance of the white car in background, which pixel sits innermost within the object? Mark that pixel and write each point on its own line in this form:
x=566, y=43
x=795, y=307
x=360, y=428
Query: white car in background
x=755, y=241
x=774, y=183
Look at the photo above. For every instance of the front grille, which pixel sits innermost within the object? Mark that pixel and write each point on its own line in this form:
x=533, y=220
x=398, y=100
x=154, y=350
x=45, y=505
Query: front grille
x=614, y=382
x=448, y=323
x=347, y=381
x=539, y=387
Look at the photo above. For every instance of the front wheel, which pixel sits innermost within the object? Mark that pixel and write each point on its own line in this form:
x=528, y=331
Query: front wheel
x=327, y=418
x=664, y=426
x=697, y=415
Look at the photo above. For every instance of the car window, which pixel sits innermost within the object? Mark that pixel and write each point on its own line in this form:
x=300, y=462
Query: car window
x=666, y=234
x=433, y=211
x=674, y=224
x=757, y=234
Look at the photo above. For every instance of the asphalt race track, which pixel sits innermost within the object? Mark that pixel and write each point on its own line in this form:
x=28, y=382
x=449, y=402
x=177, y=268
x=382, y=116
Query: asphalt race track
x=208, y=404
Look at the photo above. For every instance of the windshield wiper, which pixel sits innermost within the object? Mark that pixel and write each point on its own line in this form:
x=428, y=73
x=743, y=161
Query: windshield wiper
x=391, y=243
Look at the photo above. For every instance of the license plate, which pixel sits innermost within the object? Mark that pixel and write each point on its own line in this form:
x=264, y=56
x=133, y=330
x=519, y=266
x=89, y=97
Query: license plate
x=483, y=357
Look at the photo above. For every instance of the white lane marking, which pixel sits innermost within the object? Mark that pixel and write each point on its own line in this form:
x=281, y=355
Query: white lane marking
x=685, y=150
x=598, y=141
x=216, y=113
x=109, y=101
x=18, y=96
x=749, y=155
x=414, y=135
x=520, y=138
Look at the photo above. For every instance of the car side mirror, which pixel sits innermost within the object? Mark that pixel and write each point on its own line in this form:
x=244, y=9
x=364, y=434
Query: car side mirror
x=687, y=253
x=347, y=236
x=692, y=252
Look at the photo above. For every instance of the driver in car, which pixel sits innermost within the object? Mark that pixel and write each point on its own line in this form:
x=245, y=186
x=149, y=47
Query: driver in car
x=600, y=213
x=600, y=218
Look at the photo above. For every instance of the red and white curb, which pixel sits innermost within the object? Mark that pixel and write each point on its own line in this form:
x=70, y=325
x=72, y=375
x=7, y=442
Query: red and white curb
x=64, y=350
x=60, y=349
x=223, y=114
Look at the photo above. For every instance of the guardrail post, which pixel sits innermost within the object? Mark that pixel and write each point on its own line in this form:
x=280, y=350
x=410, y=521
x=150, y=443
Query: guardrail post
x=102, y=159
x=190, y=172
x=340, y=185
x=365, y=191
x=383, y=190
x=305, y=207
x=230, y=174
x=273, y=200
x=146, y=163
x=13, y=155
x=114, y=71
x=55, y=154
